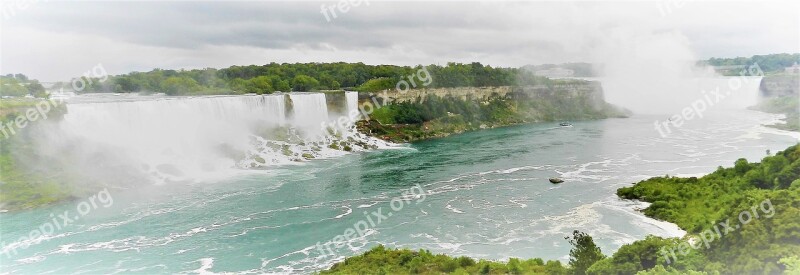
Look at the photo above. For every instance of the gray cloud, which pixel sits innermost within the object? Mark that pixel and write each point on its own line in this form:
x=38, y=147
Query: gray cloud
x=56, y=40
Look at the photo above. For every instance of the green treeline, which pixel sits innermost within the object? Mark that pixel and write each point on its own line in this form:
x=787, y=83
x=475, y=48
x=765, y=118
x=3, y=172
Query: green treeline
x=287, y=77
x=767, y=243
x=20, y=85
x=768, y=63
x=380, y=260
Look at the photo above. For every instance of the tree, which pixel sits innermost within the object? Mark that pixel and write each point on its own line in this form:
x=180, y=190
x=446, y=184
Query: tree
x=584, y=252
x=304, y=83
x=279, y=84
x=377, y=84
x=259, y=85
x=11, y=87
x=179, y=86
x=36, y=89
x=328, y=82
x=21, y=77
x=792, y=265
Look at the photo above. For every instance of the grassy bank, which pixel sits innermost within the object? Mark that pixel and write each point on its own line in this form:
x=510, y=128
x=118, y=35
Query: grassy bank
x=22, y=187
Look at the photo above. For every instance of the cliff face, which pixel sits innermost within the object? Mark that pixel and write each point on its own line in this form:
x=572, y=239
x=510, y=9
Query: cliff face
x=780, y=94
x=780, y=85
x=462, y=93
x=590, y=92
x=429, y=113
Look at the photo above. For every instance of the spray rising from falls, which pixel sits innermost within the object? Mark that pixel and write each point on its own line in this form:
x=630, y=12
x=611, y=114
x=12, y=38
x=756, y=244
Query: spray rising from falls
x=656, y=72
x=178, y=139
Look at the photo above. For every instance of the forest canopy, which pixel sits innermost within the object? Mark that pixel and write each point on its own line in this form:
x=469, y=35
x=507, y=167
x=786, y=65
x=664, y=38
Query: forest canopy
x=286, y=77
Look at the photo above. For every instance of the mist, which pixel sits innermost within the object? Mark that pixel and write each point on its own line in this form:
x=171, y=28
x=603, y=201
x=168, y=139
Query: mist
x=650, y=72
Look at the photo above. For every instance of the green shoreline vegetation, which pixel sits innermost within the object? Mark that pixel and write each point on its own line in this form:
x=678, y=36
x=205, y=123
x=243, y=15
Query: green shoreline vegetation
x=761, y=246
x=20, y=186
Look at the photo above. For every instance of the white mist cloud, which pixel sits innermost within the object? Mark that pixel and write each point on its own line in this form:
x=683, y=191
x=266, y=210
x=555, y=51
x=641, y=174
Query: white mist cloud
x=650, y=72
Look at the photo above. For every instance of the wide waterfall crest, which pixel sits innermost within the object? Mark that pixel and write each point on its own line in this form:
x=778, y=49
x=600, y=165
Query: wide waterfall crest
x=177, y=139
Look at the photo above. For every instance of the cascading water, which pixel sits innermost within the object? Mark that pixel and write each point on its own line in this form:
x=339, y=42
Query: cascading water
x=309, y=111
x=276, y=104
x=731, y=92
x=178, y=139
x=352, y=101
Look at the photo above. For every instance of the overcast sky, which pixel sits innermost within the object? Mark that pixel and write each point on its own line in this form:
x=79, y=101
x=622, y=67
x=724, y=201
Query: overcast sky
x=52, y=40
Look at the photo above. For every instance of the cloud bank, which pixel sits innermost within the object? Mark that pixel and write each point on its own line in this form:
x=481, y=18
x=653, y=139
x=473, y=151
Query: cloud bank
x=59, y=40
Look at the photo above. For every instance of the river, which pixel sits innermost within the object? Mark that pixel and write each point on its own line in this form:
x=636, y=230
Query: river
x=482, y=194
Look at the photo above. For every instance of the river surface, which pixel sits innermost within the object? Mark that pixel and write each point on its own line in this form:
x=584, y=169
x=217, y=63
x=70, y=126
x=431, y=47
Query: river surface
x=482, y=194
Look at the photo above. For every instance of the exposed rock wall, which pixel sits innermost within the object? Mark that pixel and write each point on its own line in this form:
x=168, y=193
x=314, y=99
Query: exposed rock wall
x=780, y=85
x=463, y=93
x=591, y=90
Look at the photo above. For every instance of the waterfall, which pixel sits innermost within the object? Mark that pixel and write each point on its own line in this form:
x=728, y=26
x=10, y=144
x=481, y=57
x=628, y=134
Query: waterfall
x=309, y=111
x=276, y=106
x=738, y=92
x=177, y=139
x=351, y=99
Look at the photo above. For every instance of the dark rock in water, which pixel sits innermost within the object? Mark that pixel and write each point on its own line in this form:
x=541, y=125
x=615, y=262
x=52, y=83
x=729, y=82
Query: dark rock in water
x=556, y=180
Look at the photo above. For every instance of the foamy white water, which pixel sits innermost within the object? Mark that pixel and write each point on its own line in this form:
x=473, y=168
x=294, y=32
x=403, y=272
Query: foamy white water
x=197, y=138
